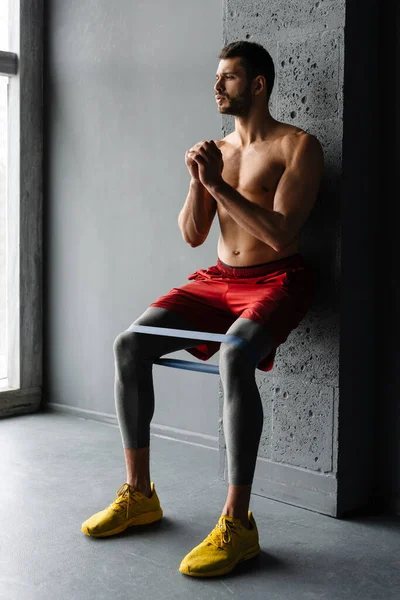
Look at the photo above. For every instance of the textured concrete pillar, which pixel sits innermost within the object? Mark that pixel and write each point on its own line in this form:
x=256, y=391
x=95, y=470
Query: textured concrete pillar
x=300, y=450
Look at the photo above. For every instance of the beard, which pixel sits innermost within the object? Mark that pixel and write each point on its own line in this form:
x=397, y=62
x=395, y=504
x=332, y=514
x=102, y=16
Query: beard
x=239, y=105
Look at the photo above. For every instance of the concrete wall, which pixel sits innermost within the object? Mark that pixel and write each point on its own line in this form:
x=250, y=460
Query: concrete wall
x=127, y=92
x=301, y=394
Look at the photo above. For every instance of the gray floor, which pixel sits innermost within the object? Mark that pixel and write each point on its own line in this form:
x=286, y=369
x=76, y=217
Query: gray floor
x=57, y=470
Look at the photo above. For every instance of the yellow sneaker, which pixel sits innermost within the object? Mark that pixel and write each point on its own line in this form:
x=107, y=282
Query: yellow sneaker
x=228, y=544
x=130, y=508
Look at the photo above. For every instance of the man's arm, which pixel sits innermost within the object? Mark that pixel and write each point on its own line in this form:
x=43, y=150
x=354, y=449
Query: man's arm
x=298, y=187
x=294, y=197
x=197, y=214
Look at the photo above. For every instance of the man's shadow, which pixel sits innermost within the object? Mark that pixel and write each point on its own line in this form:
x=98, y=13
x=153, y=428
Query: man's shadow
x=261, y=562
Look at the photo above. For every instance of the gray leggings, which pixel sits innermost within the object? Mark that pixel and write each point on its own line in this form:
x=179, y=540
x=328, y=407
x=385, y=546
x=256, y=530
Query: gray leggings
x=243, y=415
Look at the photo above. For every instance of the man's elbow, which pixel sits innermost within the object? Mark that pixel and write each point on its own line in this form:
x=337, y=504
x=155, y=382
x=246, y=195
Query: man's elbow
x=280, y=246
x=287, y=233
x=283, y=241
x=193, y=242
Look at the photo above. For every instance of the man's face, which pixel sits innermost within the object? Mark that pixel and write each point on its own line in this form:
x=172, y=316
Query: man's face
x=233, y=88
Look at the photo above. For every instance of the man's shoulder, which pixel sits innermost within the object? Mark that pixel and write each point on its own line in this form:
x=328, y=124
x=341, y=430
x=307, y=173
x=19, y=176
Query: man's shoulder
x=295, y=141
x=291, y=134
x=228, y=139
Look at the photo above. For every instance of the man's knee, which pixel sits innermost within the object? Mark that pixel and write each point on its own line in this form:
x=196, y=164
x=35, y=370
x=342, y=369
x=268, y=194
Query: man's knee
x=126, y=344
x=232, y=358
x=237, y=357
x=131, y=342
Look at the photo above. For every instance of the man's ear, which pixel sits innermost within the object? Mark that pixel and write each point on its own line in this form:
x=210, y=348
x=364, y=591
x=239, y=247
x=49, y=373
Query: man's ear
x=259, y=84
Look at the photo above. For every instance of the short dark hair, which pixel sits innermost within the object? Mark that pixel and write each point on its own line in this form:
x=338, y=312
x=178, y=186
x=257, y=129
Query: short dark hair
x=255, y=59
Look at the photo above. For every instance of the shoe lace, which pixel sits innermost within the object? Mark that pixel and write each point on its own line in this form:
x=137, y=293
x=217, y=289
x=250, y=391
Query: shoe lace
x=222, y=533
x=125, y=497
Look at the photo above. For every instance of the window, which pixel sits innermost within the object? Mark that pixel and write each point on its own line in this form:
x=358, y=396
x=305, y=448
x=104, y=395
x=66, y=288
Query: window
x=3, y=199
x=21, y=69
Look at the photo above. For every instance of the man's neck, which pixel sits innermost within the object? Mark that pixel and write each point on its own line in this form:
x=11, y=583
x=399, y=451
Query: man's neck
x=254, y=128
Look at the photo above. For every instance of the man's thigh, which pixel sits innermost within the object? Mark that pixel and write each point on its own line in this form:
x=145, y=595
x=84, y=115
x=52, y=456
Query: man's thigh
x=156, y=345
x=261, y=342
x=201, y=303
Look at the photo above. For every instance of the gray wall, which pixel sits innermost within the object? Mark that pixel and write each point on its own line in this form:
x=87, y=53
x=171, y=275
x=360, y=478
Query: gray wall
x=301, y=394
x=127, y=92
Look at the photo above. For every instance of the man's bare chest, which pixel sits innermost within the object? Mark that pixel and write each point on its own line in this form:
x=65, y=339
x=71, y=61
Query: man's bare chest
x=256, y=175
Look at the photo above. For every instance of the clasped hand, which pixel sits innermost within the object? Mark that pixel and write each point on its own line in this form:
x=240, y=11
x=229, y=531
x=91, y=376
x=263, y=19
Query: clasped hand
x=208, y=158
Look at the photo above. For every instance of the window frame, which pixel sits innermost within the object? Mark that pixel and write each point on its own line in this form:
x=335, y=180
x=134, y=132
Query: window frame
x=23, y=64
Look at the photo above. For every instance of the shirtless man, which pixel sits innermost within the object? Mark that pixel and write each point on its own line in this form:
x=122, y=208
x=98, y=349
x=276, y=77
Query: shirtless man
x=262, y=180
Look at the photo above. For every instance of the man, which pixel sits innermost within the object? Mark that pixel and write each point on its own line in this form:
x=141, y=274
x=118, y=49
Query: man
x=262, y=181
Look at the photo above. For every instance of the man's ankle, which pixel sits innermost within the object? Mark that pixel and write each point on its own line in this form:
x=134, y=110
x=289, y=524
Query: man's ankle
x=244, y=519
x=141, y=487
x=245, y=522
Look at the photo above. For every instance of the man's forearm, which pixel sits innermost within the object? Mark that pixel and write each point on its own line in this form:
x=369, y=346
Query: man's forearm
x=194, y=218
x=264, y=224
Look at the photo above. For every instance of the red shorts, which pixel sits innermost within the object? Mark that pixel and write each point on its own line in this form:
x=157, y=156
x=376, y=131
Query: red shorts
x=277, y=294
